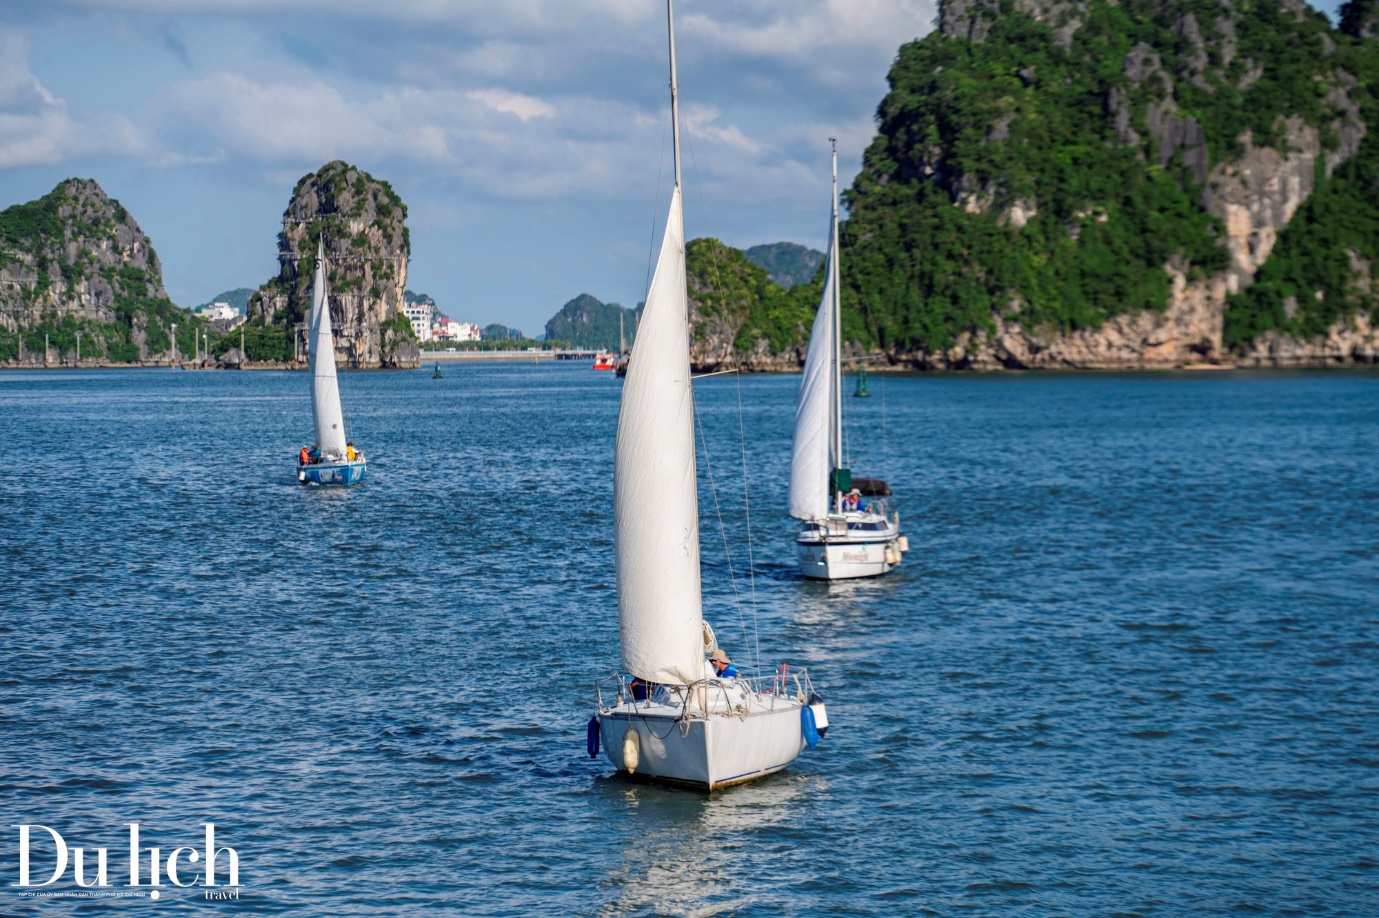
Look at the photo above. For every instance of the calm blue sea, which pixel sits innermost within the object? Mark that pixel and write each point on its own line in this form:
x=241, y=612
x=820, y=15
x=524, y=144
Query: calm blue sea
x=1128, y=667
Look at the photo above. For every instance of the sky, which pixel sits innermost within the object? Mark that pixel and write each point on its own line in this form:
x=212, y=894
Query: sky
x=528, y=138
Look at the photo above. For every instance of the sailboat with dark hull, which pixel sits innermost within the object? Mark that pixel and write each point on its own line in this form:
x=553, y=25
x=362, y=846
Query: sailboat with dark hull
x=333, y=460
x=669, y=715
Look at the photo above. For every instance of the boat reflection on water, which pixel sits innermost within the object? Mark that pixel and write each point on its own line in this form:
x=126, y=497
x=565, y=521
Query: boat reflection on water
x=828, y=602
x=686, y=856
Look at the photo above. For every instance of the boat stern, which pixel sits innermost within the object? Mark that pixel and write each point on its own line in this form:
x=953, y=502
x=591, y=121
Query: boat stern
x=333, y=473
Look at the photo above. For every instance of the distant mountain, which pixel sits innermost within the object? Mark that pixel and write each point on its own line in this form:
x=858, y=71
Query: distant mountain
x=788, y=263
x=589, y=322
x=497, y=332
x=238, y=298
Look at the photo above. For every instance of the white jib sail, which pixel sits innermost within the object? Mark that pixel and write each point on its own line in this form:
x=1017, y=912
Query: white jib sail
x=325, y=387
x=655, y=499
x=810, y=457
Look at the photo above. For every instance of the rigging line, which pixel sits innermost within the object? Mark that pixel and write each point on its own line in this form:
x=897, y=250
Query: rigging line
x=718, y=511
x=885, y=470
x=703, y=213
x=718, y=285
x=751, y=559
x=655, y=206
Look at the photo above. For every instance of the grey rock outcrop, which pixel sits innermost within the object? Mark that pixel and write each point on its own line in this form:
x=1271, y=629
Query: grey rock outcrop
x=363, y=223
x=76, y=253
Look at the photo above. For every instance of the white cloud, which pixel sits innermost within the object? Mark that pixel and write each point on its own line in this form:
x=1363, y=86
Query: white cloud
x=699, y=121
x=302, y=122
x=811, y=30
x=514, y=103
x=36, y=127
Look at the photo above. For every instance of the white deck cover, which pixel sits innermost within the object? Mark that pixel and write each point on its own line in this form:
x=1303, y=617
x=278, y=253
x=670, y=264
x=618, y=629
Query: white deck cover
x=655, y=497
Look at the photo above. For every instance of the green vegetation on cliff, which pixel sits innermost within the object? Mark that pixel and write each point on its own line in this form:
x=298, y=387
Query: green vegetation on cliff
x=1018, y=124
x=1051, y=169
x=76, y=264
x=1325, y=264
x=736, y=301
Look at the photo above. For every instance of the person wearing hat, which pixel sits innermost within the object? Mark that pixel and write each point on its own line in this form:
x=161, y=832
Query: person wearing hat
x=722, y=665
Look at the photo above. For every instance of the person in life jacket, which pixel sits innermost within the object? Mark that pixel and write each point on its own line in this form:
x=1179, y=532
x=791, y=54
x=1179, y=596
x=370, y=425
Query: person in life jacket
x=302, y=457
x=350, y=452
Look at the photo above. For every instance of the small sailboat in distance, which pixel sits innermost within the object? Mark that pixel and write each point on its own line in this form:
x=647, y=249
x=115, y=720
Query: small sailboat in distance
x=675, y=716
x=849, y=528
x=620, y=365
x=333, y=460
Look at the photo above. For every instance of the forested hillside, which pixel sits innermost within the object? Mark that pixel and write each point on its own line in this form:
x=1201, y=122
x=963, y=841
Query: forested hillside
x=1042, y=168
x=586, y=321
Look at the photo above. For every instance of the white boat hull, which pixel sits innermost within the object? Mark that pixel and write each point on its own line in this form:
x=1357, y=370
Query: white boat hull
x=842, y=560
x=716, y=751
x=829, y=550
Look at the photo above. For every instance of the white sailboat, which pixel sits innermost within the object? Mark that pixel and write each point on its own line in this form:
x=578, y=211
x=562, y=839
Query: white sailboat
x=672, y=717
x=849, y=527
x=333, y=460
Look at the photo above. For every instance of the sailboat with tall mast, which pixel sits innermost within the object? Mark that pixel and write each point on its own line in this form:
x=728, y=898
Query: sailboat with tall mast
x=849, y=529
x=674, y=715
x=333, y=460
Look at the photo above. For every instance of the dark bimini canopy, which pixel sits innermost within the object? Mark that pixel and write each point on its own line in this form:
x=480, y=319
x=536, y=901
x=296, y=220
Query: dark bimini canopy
x=872, y=487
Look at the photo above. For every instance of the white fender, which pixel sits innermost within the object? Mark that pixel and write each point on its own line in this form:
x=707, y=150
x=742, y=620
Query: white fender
x=820, y=717
x=631, y=756
x=710, y=641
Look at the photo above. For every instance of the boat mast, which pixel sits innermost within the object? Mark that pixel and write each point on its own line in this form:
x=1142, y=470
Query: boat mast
x=674, y=90
x=836, y=377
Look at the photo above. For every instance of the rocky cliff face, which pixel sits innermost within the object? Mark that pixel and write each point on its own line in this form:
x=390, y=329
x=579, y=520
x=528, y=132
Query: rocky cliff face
x=1074, y=138
x=363, y=223
x=76, y=261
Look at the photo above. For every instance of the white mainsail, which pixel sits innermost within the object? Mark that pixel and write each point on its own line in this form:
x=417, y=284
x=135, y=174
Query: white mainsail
x=325, y=387
x=655, y=496
x=812, y=455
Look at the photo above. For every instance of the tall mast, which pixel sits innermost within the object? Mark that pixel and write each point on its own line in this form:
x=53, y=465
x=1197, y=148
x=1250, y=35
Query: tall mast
x=674, y=90
x=837, y=375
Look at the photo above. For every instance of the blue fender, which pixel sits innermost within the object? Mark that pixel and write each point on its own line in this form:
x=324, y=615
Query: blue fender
x=811, y=732
x=592, y=741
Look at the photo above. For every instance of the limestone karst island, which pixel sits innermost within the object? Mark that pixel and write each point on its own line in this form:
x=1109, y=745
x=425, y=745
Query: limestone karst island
x=1051, y=185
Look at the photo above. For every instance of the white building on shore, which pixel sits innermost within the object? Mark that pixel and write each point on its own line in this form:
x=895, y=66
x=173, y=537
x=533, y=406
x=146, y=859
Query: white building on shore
x=447, y=330
x=218, y=310
x=422, y=315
